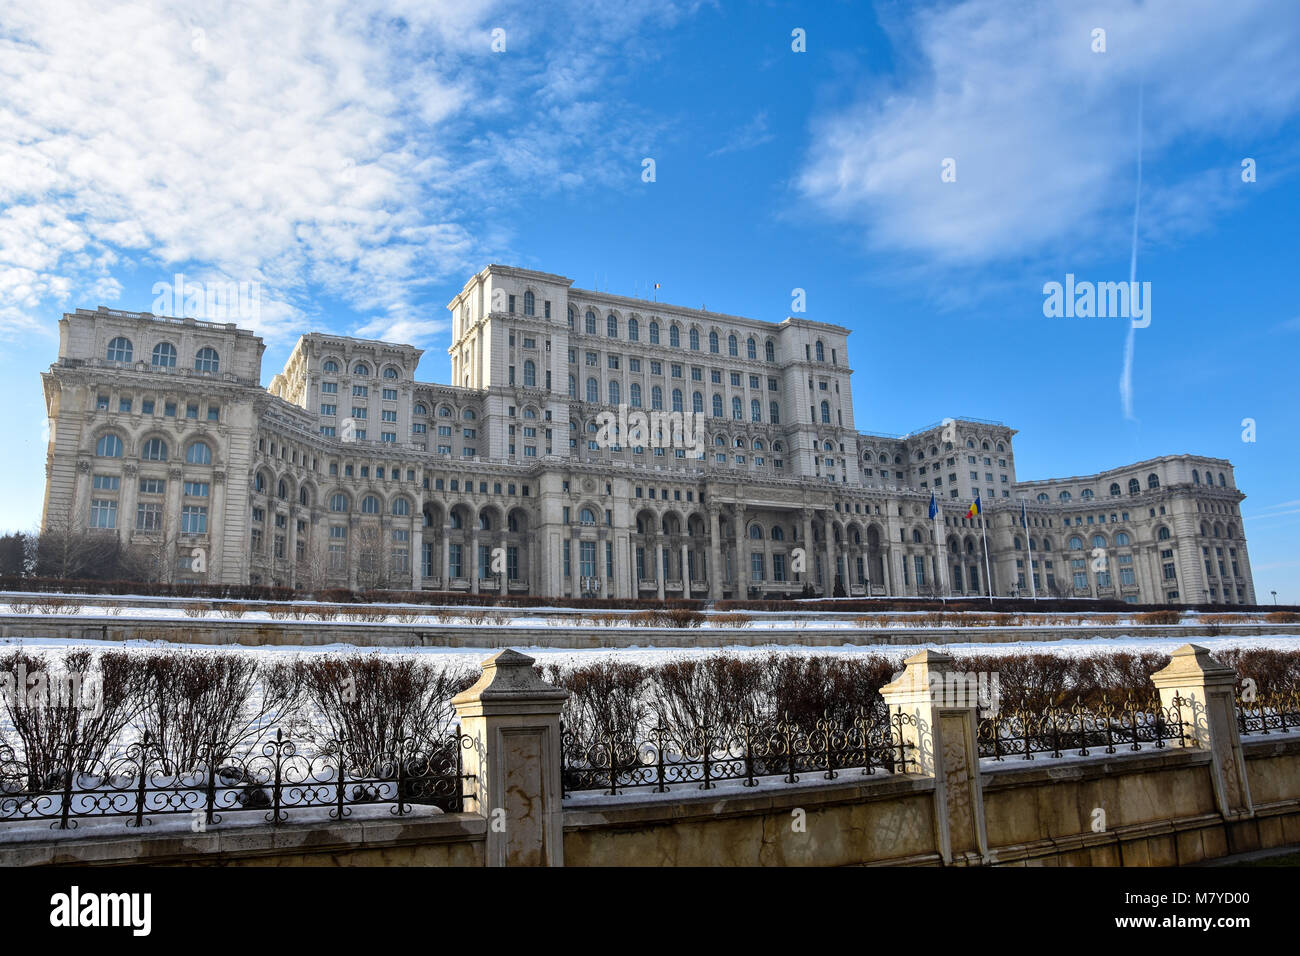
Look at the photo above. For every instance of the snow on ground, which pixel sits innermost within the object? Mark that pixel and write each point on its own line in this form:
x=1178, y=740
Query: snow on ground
x=462, y=656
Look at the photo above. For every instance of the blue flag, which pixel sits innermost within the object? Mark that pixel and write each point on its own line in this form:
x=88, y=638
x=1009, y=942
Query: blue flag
x=934, y=508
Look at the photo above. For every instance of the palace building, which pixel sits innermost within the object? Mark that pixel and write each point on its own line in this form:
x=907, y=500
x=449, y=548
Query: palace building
x=349, y=472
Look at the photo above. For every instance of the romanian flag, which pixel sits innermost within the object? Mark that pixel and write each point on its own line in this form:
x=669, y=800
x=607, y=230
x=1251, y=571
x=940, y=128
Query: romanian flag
x=974, y=509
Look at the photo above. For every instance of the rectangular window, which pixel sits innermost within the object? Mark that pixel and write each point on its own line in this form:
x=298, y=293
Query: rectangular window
x=103, y=513
x=329, y=410
x=194, y=519
x=196, y=489
x=107, y=482
x=390, y=394
x=152, y=486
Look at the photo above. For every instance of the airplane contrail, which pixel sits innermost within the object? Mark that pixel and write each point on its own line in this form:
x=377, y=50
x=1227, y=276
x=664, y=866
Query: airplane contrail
x=1126, y=376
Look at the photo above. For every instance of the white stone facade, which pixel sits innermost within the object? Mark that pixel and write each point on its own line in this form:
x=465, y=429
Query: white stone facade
x=349, y=472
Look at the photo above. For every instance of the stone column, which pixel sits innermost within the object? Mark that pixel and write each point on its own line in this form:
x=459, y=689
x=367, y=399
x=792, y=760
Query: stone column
x=832, y=564
x=661, y=567
x=417, y=552
x=686, y=570
x=715, y=556
x=1205, y=691
x=939, y=711
x=809, y=564
x=473, y=562
x=742, y=555
x=446, y=558
x=505, y=571
x=513, y=719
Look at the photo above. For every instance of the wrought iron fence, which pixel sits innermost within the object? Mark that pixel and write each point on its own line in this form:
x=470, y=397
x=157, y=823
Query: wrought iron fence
x=1081, y=729
x=271, y=777
x=1269, y=713
x=707, y=754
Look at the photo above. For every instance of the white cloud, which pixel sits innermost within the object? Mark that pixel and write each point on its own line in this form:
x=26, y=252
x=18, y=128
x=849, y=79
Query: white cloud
x=1043, y=130
x=339, y=148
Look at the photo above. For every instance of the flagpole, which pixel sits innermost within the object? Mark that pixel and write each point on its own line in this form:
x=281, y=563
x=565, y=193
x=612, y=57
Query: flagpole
x=988, y=577
x=1029, y=543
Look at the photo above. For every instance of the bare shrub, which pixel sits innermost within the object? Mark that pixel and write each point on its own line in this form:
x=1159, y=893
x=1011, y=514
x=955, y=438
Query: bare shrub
x=279, y=612
x=1159, y=617
x=232, y=611
x=374, y=702
x=70, y=720
x=733, y=620
x=1282, y=617
x=22, y=606
x=196, y=609
x=197, y=703
x=607, y=699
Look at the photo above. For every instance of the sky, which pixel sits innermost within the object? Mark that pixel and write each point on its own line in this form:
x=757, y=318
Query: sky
x=921, y=171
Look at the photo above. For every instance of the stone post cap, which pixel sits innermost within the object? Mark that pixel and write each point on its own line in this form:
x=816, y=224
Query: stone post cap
x=508, y=679
x=1192, y=664
x=913, y=682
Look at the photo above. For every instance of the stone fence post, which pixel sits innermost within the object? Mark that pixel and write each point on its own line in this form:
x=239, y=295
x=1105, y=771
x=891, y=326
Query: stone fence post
x=513, y=718
x=939, y=710
x=1208, y=701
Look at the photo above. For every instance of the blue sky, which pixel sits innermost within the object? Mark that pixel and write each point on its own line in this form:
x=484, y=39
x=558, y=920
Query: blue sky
x=360, y=160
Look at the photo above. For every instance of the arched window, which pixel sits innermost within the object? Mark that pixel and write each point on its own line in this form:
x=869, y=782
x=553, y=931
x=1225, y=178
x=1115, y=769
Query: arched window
x=593, y=390
x=697, y=403
x=774, y=412
x=695, y=340
x=587, y=516
x=1152, y=481
x=591, y=322
x=654, y=333
x=735, y=408
x=282, y=491
x=1015, y=543
x=1098, y=541
x=259, y=483
x=677, y=400
x=770, y=350
x=1086, y=494
x=1064, y=496
x=713, y=342
x=331, y=365
x=390, y=373
x=755, y=410
x=573, y=387
x=674, y=336
x=615, y=393
x=1223, y=482
x=164, y=355
x=155, y=449
x=200, y=453
x=1114, y=489
x=634, y=394
x=821, y=351
x=1042, y=497
x=529, y=303
x=119, y=350
x=206, y=360
x=733, y=345
x=1076, y=543
x=1047, y=544
x=756, y=532
x=916, y=536
x=1196, y=477
x=338, y=502
x=751, y=349
x=530, y=374
x=1163, y=534
x=611, y=326
x=656, y=398
x=1121, y=539
x=454, y=521
x=1134, y=486
x=109, y=446
x=570, y=316
x=370, y=505
x=826, y=413
x=401, y=507
x=633, y=330
x=717, y=405
x=304, y=496
x=361, y=368
x=468, y=415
